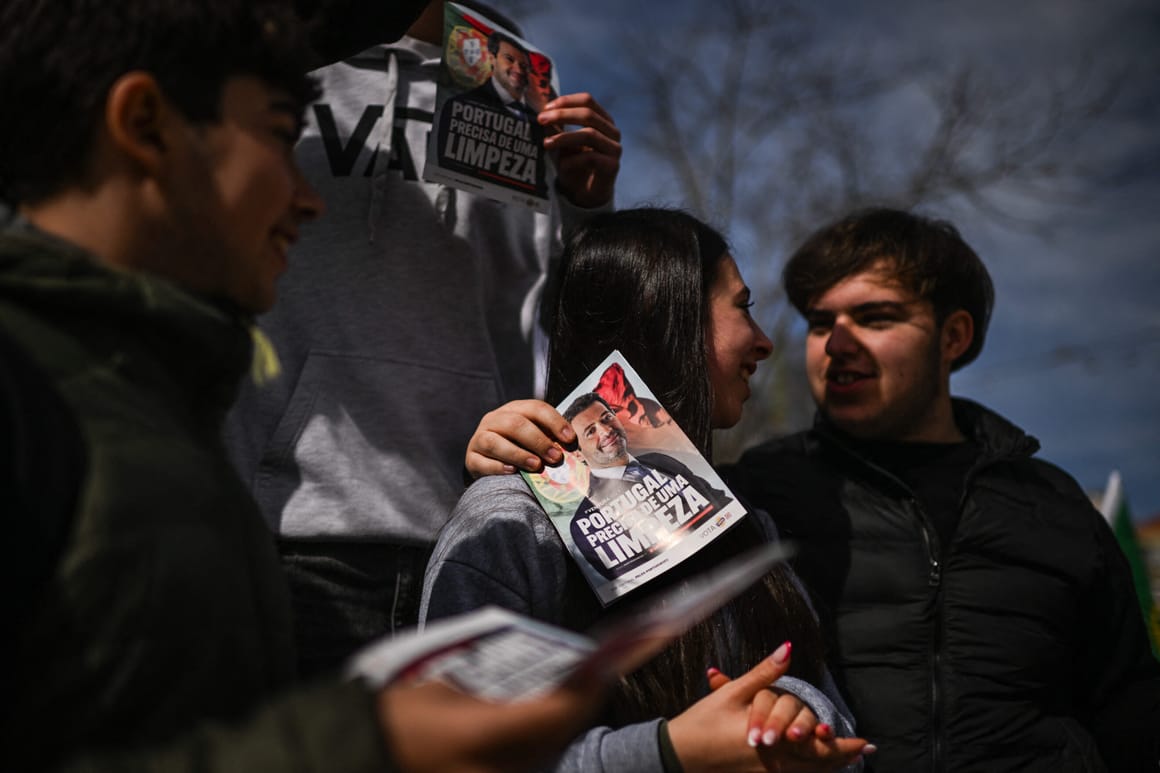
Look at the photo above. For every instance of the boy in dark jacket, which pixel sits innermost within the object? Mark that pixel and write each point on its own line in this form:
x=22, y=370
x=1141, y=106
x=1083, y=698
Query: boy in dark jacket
x=981, y=614
x=146, y=153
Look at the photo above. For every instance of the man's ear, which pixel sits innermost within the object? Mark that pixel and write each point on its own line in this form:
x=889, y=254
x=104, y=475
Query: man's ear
x=136, y=114
x=958, y=331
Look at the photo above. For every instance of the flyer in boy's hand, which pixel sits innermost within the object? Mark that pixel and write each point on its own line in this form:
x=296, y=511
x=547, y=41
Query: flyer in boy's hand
x=492, y=85
x=635, y=498
x=498, y=655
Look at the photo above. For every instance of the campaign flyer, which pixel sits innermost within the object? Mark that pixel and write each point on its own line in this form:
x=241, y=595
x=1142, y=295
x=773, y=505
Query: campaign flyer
x=635, y=498
x=492, y=84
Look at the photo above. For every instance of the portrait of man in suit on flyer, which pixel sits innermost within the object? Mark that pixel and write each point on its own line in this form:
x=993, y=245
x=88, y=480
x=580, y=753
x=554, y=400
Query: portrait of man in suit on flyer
x=634, y=505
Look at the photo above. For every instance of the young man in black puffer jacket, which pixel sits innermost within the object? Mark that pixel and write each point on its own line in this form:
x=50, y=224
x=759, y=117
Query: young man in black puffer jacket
x=980, y=612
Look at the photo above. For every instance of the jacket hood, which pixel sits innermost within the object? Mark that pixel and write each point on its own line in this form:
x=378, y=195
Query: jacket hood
x=204, y=345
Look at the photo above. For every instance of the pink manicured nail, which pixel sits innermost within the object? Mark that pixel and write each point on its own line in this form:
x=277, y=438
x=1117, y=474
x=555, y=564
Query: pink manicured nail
x=825, y=729
x=754, y=736
x=781, y=654
x=795, y=733
x=769, y=737
x=712, y=672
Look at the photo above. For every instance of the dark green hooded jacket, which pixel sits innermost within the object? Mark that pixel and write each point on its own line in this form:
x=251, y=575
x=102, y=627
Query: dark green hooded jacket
x=159, y=630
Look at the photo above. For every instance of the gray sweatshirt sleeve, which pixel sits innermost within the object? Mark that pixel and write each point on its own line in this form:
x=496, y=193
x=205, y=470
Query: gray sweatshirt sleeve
x=630, y=749
x=497, y=548
x=820, y=703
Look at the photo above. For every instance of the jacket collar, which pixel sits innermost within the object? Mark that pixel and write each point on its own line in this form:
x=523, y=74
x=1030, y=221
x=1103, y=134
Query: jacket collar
x=997, y=438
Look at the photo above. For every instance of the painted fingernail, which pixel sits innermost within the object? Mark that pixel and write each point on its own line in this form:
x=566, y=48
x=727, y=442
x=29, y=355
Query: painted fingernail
x=794, y=732
x=825, y=729
x=769, y=737
x=754, y=736
x=781, y=654
x=712, y=672
x=869, y=748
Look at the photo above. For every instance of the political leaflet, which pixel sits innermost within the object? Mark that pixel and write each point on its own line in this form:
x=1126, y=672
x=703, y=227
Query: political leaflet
x=492, y=84
x=498, y=655
x=635, y=498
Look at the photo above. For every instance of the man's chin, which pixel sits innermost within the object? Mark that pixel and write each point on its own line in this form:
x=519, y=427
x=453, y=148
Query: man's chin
x=849, y=423
x=614, y=461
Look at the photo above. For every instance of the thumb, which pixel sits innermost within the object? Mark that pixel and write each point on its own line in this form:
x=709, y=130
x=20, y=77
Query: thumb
x=763, y=674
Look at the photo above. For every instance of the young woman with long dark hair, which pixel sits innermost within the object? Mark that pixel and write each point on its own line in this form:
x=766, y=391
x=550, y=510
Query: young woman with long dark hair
x=661, y=287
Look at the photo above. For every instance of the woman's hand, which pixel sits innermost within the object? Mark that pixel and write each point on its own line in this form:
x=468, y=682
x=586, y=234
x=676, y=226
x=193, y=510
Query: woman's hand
x=715, y=733
x=522, y=434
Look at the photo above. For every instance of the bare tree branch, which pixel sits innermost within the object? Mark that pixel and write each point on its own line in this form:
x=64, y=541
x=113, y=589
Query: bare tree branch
x=770, y=134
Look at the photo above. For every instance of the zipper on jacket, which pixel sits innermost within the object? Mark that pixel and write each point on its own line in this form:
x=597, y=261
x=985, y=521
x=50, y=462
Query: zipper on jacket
x=934, y=580
x=934, y=564
x=936, y=697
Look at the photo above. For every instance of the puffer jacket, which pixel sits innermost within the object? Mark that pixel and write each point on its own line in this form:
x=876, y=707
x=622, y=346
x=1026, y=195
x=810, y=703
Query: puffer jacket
x=163, y=626
x=1017, y=647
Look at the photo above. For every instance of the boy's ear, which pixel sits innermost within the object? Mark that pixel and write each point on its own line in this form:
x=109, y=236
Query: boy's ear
x=136, y=116
x=958, y=331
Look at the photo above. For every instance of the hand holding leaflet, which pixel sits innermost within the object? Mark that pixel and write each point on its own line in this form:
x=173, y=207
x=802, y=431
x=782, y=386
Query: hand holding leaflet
x=634, y=498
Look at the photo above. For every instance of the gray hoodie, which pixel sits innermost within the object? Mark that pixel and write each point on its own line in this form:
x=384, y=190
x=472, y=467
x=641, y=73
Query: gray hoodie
x=408, y=312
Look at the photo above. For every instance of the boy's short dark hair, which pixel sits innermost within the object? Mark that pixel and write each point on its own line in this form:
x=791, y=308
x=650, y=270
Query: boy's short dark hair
x=928, y=257
x=59, y=58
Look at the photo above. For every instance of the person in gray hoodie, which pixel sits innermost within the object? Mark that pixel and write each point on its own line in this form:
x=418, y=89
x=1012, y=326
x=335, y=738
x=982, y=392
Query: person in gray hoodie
x=411, y=311
x=659, y=286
